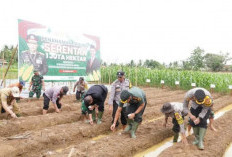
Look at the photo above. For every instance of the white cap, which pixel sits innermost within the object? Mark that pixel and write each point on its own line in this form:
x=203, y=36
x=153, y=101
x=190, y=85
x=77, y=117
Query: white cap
x=15, y=91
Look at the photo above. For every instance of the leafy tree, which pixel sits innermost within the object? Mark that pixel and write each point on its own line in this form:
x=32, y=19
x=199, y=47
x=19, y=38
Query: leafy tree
x=140, y=63
x=216, y=62
x=7, y=53
x=197, y=59
x=132, y=63
x=186, y=65
x=152, y=64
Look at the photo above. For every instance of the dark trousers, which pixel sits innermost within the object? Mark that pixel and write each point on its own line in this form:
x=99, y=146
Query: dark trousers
x=101, y=107
x=176, y=126
x=196, y=112
x=132, y=108
x=47, y=101
x=79, y=94
x=123, y=117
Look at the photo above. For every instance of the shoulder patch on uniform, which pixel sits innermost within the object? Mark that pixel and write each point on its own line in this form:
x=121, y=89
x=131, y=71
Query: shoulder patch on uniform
x=179, y=118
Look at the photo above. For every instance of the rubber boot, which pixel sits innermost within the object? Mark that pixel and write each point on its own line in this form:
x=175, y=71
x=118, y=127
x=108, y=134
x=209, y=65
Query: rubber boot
x=133, y=129
x=94, y=115
x=128, y=127
x=202, y=132
x=196, y=133
x=99, y=120
x=176, y=136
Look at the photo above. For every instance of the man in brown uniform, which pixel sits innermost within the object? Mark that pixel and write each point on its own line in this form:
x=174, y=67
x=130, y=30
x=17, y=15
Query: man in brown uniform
x=7, y=98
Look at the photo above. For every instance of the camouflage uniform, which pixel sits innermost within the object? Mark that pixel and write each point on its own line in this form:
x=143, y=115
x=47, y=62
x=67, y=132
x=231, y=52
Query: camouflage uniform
x=138, y=98
x=84, y=109
x=36, y=86
x=38, y=61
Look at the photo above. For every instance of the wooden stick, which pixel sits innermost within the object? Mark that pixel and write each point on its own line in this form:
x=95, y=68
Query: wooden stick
x=19, y=137
x=11, y=60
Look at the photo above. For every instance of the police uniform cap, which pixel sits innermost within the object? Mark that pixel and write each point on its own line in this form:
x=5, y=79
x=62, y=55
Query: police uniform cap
x=199, y=95
x=120, y=73
x=167, y=108
x=65, y=89
x=32, y=38
x=125, y=95
x=35, y=71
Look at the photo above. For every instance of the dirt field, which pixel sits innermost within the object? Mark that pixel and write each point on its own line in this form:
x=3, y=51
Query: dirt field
x=64, y=133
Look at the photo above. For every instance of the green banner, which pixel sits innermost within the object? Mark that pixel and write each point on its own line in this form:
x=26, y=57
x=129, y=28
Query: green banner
x=55, y=55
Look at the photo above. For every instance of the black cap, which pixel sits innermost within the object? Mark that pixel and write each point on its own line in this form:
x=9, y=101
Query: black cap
x=125, y=95
x=81, y=78
x=167, y=108
x=199, y=95
x=120, y=73
x=65, y=89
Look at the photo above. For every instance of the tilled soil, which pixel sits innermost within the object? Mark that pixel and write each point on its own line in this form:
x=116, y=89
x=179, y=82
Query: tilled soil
x=215, y=142
x=58, y=134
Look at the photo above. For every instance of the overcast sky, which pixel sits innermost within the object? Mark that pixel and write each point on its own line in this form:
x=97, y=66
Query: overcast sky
x=164, y=30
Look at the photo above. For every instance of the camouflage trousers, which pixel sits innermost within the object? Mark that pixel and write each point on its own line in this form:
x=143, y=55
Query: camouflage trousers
x=37, y=92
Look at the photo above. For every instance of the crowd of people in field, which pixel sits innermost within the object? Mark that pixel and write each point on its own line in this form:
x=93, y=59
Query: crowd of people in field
x=125, y=101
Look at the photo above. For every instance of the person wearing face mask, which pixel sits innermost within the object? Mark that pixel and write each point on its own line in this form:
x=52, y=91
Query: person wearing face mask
x=94, y=100
x=33, y=57
x=175, y=111
x=54, y=94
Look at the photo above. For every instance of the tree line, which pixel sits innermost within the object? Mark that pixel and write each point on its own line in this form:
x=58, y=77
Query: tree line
x=198, y=61
x=6, y=53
